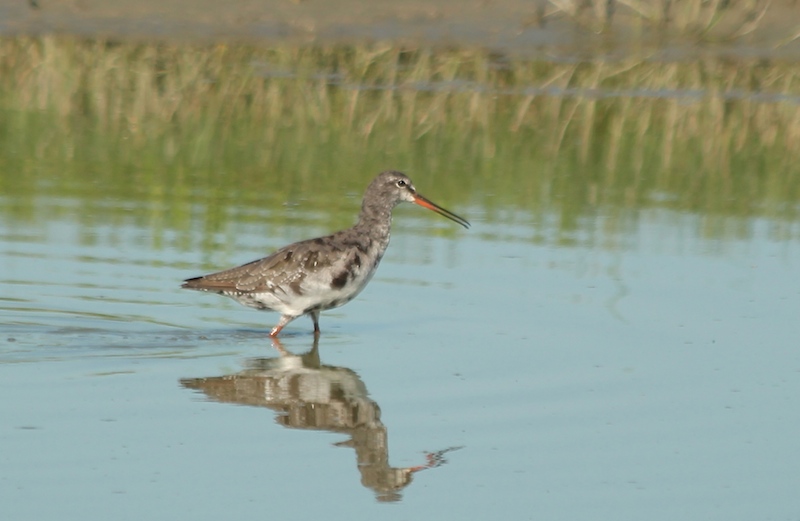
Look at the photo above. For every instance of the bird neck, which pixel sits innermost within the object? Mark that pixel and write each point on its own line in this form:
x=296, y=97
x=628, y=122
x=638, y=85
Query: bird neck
x=375, y=221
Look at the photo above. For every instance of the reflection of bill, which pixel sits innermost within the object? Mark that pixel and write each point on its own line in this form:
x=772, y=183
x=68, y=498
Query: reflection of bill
x=309, y=395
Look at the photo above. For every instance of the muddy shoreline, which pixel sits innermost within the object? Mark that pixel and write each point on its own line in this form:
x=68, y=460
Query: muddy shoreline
x=509, y=26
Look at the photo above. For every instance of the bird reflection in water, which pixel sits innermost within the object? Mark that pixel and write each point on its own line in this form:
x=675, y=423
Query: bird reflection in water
x=309, y=395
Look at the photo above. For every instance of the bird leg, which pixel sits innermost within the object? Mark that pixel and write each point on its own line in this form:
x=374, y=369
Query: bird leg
x=315, y=318
x=285, y=319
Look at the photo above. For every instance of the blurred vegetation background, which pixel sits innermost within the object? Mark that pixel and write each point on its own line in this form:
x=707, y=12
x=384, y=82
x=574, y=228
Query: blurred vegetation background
x=183, y=125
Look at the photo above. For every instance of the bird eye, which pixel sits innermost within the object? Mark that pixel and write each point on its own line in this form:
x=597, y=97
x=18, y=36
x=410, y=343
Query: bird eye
x=401, y=183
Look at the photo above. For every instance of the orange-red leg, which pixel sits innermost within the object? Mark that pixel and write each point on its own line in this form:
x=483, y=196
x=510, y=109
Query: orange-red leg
x=285, y=319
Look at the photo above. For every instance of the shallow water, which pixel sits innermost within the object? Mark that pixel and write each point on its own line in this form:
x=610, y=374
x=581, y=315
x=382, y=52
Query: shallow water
x=659, y=381
x=570, y=356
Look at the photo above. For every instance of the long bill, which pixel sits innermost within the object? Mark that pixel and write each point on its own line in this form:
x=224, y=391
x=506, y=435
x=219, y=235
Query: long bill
x=425, y=203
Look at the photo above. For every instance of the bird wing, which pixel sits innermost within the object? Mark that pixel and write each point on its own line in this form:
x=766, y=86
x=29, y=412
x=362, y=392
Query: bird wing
x=293, y=267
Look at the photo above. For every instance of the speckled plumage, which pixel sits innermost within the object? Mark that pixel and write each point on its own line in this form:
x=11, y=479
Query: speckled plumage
x=310, y=276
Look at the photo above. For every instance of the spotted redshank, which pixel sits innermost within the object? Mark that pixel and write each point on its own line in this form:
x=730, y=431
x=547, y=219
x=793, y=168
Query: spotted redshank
x=311, y=276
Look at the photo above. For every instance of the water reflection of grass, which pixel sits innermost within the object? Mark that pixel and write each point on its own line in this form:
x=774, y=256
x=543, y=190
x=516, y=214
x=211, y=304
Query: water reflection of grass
x=179, y=125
